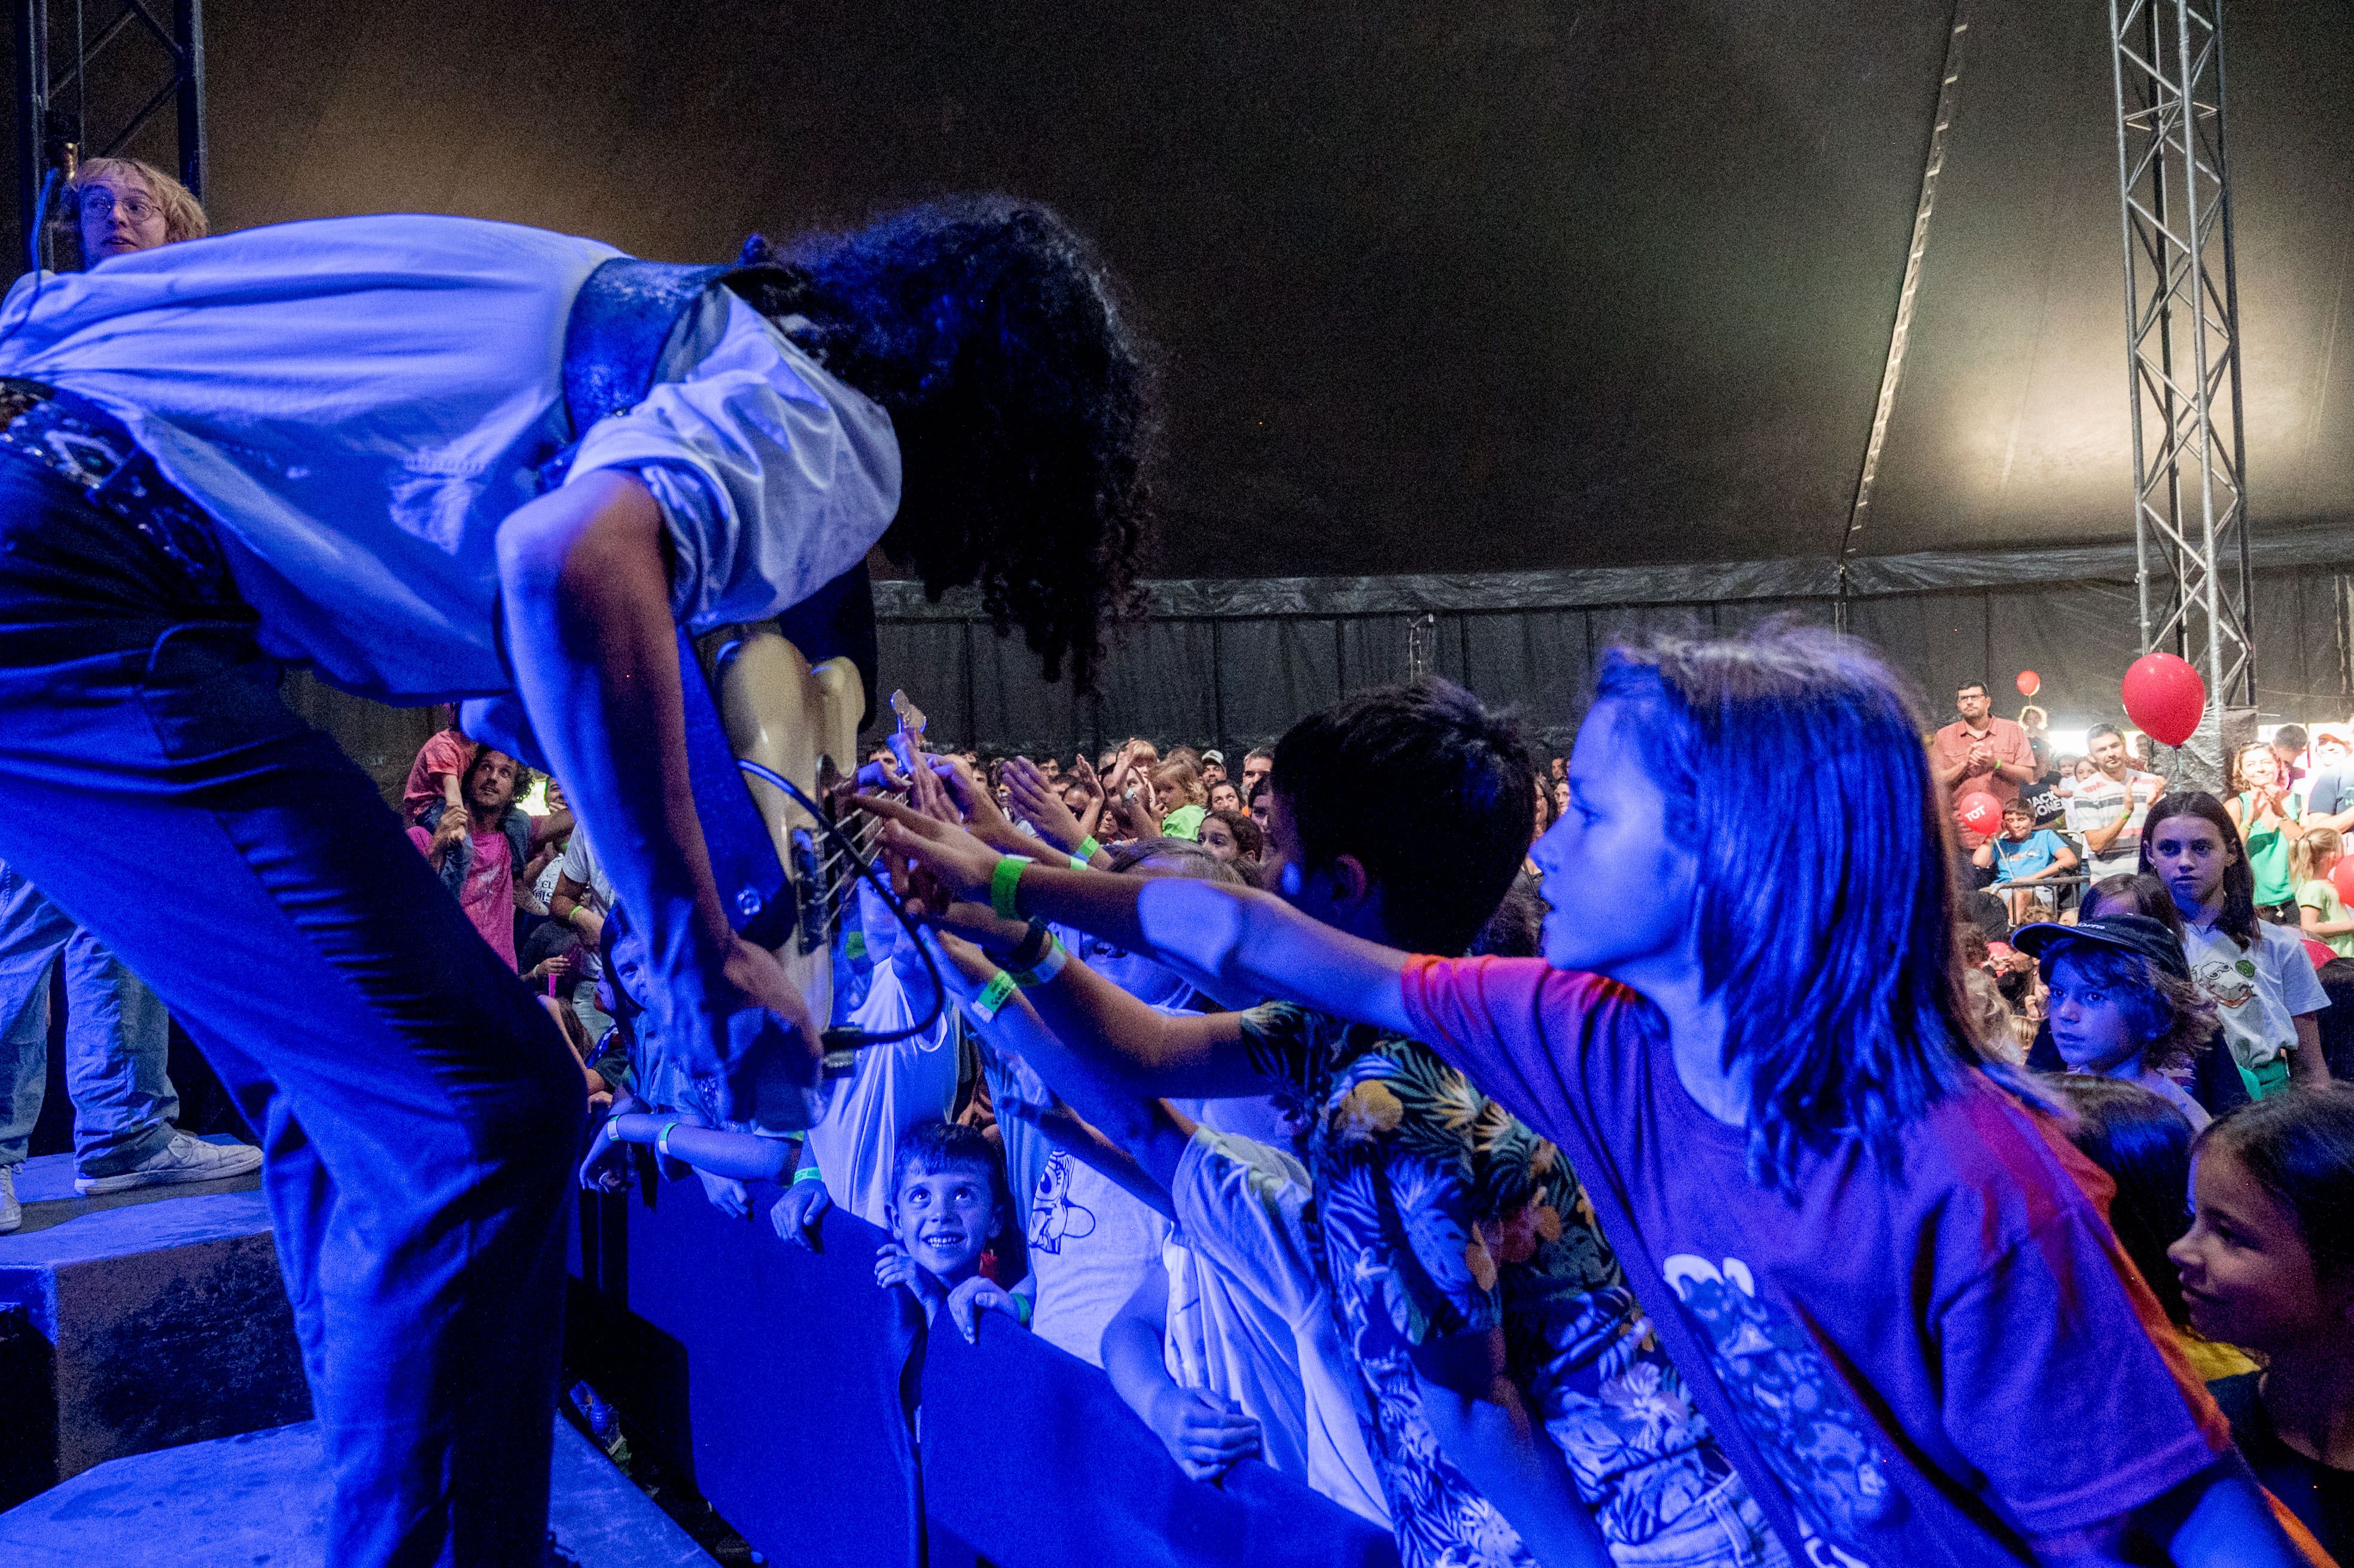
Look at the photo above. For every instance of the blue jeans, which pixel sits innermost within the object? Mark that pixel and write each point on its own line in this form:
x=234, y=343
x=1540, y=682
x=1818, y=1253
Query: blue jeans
x=418, y=1111
x=118, y=1038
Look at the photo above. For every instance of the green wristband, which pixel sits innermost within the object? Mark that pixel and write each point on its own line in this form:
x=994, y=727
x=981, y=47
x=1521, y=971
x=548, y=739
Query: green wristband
x=1087, y=851
x=1004, y=885
x=991, y=1000
x=1021, y=1307
x=662, y=1140
x=808, y=1173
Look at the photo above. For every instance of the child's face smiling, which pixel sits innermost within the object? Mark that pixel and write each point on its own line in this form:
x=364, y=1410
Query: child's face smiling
x=943, y=1219
x=2247, y=1275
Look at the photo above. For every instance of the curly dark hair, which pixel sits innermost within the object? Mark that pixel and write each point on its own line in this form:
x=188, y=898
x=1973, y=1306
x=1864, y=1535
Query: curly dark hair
x=1021, y=397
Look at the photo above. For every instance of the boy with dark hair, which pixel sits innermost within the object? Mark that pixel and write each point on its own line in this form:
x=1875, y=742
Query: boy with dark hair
x=1480, y=1308
x=2023, y=855
x=948, y=1203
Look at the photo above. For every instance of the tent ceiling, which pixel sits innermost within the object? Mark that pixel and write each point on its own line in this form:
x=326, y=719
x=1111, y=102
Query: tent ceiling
x=1489, y=285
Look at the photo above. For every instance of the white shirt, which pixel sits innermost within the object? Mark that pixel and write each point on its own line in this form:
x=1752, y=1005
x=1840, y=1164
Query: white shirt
x=2259, y=993
x=1249, y=1316
x=579, y=862
x=890, y=1088
x=1090, y=1244
x=359, y=402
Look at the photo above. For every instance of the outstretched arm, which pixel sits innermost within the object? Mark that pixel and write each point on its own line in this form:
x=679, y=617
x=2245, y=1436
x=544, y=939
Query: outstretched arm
x=1239, y=940
x=587, y=594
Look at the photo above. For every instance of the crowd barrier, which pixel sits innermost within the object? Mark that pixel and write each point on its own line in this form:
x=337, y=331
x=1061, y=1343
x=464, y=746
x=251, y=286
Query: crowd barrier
x=787, y=1385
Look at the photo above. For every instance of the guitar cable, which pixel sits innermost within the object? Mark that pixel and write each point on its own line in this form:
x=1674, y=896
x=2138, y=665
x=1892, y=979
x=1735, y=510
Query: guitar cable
x=858, y=1039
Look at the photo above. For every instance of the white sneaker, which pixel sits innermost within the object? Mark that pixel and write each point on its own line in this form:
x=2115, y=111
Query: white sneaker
x=185, y=1159
x=12, y=1214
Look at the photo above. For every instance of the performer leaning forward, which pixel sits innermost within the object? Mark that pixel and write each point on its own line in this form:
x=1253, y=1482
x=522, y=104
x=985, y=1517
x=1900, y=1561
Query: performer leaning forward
x=349, y=444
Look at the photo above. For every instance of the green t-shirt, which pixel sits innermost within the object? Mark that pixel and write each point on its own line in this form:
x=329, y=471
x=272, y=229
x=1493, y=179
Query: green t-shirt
x=2322, y=898
x=2268, y=852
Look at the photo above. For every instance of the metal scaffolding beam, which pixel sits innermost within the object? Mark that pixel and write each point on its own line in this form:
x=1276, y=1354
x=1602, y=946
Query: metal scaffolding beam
x=57, y=44
x=2182, y=320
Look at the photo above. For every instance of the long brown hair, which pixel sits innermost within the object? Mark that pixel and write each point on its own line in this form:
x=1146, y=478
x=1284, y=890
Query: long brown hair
x=2239, y=918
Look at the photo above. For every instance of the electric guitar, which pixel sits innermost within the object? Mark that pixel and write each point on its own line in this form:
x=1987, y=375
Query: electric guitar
x=771, y=741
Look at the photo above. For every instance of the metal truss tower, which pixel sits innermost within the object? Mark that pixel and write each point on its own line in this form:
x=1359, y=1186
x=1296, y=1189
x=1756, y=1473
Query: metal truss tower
x=2191, y=508
x=59, y=43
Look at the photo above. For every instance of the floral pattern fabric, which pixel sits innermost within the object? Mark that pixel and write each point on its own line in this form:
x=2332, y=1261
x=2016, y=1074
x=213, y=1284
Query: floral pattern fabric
x=1438, y=1214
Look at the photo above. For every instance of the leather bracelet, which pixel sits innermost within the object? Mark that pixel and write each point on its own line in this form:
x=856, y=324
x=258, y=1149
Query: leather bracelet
x=1046, y=969
x=1025, y=953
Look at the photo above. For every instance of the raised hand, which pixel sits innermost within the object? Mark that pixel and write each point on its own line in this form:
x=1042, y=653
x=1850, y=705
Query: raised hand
x=960, y=862
x=1202, y=1432
x=1040, y=804
x=981, y=815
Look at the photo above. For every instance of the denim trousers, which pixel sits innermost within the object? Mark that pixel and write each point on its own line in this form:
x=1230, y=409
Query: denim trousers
x=418, y=1112
x=118, y=1039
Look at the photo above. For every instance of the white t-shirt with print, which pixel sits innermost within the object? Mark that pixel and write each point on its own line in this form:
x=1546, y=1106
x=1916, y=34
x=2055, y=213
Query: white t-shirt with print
x=2260, y=991
x=1090, y=1244
x=1249, y=1317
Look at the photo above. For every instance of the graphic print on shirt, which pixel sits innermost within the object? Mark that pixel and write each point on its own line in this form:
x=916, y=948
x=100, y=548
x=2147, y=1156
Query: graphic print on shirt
x=1054, y=1218
x=1805, y=1428
x=2232, y=985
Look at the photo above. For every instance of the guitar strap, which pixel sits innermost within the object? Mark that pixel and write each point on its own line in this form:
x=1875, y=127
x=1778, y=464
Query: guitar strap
x=621, y=322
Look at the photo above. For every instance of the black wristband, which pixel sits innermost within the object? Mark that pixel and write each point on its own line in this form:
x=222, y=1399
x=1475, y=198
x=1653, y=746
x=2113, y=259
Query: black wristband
x=1024, y=954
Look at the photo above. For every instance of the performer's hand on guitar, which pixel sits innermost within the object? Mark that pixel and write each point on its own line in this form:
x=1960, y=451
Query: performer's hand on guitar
x=758, y=980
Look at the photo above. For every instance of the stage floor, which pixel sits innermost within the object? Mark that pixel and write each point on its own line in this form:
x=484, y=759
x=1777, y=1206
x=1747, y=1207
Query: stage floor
x=260, y=1500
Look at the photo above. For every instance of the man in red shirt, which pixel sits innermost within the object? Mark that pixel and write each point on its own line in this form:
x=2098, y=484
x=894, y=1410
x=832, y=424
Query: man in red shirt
x=1978, y=752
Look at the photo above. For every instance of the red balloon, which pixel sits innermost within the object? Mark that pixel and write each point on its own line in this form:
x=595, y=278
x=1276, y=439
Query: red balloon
x=2030, y=683
x=1980, y=812
x=2341, y=877
x=2164, y=697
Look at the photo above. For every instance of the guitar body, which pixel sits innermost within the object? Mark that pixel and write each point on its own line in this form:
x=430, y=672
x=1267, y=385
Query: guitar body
x=801, y=723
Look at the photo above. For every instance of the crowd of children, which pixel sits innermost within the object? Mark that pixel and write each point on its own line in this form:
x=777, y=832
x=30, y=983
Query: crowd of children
x=1657, y=1193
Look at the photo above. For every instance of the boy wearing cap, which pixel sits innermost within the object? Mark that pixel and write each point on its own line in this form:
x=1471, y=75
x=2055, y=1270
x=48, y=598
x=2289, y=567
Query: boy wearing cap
x=2122, y=1003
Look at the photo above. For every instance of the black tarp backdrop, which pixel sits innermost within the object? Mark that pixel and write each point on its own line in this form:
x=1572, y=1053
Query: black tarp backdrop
x=1235, y=662
x=1487, y=286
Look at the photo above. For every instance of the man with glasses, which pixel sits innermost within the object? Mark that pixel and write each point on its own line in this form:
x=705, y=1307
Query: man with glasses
x=117, y=1035
x=119, y=206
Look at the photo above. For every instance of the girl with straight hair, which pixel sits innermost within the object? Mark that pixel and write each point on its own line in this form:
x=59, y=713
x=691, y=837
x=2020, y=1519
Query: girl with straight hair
x=1886, y=1274
x=2256, y=973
